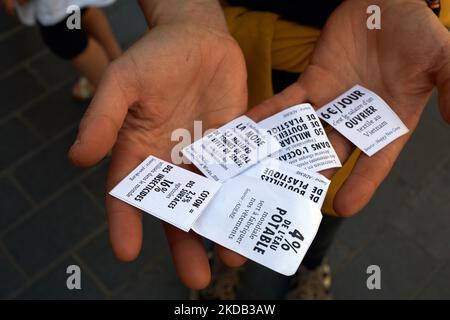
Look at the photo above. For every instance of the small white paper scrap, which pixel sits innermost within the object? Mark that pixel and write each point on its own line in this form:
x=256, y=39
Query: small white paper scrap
x=364, y=118
x=309, y=185
x=302, y=138
x=231, y=149
x=170, y=193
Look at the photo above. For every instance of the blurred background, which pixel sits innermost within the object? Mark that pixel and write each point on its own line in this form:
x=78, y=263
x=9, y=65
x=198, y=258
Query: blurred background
x=52, y=215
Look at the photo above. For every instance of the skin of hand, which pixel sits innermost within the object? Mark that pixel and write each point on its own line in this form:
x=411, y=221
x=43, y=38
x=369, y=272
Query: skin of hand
x=186, y=68
x=402, y=62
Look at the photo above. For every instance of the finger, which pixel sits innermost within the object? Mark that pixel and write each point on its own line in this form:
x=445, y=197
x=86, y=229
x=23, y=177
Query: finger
x=102, y=121
x=189, y=256
x=366, y=177
x=230, y=258
x=124, y=221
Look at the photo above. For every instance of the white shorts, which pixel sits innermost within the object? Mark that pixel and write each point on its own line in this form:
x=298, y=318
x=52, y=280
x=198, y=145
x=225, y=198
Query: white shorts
x=49, y=12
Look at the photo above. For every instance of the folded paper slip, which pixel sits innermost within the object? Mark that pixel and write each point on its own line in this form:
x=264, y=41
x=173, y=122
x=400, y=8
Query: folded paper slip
x=364, y=118
x=231, y=149
x=302, y=138
x=168, y=192
x=271, y=226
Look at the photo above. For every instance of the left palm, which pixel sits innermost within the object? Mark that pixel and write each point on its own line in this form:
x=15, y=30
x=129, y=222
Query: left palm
x=402, y=62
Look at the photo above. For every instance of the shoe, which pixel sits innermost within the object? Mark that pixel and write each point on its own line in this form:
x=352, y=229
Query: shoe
x=83, y=90
x=312, y=284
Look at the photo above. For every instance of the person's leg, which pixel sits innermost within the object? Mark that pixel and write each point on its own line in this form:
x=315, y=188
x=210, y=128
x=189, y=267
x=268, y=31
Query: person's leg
x=92, y=62
x=97, y=26
x=84, y=52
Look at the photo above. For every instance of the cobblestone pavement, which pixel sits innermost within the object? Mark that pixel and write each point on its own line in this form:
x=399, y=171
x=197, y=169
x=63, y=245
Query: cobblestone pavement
x=52, y=214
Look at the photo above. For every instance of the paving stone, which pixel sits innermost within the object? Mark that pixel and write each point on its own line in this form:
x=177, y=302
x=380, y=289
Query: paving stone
x=95, y=182
x=7, y=22
x=13, y=204
x=53, y=230
x=439, y=186
x=53, y=286
x=258, y=282
x=56, y=112
x=367, y=224
x=159, y=282
x=53, y=70
x=10, y=278
x=404, y=269
x=18, y=89
x=427, y=218
x=338, y=254
x=22, y=45
x=439, y=286
x=48, y=170
x=426, y=150
x=98, y=256
x=16, y=140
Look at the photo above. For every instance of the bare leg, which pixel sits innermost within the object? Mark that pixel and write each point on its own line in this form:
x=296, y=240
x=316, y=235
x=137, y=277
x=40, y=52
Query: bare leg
x=92, y=62
x=97, y=26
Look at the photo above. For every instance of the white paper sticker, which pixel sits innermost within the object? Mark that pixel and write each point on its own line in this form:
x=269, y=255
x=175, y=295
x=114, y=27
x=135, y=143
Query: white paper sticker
x=302, y=138
x=363, y=118
x=308, y=185
x=271, y=226
x=231, y=149
x=171, y=193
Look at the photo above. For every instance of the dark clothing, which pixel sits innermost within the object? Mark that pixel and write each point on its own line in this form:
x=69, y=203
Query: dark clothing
x=64, y=42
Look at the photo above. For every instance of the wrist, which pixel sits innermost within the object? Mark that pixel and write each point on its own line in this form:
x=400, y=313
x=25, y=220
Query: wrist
x=204, y=12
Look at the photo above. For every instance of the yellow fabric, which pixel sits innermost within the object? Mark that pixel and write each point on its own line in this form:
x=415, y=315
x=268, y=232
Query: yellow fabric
x=271, y=43
x=338, y=179
x=444, y=15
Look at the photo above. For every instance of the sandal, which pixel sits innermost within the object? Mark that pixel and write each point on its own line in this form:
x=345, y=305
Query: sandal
x=83, y=90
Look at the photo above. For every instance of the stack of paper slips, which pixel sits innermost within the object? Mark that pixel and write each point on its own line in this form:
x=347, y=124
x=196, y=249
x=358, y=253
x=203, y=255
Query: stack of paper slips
x=262, y=193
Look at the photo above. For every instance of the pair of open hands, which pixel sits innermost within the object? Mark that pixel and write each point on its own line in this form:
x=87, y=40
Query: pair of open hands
x=185, y=71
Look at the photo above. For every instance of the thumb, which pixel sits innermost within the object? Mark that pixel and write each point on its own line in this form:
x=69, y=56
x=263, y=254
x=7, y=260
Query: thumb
x=102, y=121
